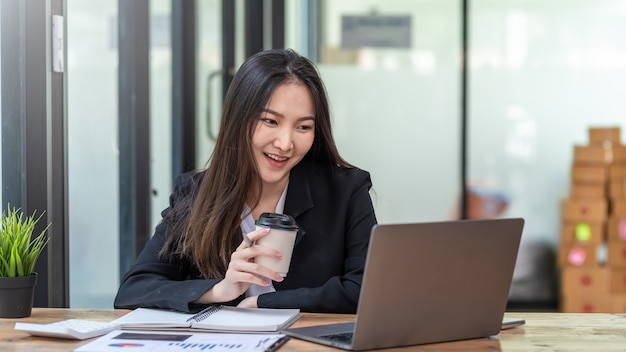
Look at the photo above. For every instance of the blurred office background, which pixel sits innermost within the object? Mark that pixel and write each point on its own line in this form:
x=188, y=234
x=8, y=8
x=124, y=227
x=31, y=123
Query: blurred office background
x=97, y=146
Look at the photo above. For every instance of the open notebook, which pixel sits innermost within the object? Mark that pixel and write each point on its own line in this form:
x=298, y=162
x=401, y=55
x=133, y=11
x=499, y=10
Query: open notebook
x=429, y=282
x=214, y=318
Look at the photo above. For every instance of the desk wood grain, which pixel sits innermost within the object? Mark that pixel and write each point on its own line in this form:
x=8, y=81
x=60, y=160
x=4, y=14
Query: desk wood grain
x=542, y=332
x=15, y=340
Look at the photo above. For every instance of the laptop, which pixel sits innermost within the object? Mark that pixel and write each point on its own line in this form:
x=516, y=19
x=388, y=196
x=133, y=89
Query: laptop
x=427, y=283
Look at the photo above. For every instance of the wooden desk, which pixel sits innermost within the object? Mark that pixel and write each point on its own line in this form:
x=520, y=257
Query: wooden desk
x=542, y=332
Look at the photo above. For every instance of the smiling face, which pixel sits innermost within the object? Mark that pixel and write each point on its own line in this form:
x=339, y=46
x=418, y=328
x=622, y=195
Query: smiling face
x=284, y=133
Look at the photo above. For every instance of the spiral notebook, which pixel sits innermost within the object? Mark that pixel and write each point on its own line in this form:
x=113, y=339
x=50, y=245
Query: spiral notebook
x=216, y=318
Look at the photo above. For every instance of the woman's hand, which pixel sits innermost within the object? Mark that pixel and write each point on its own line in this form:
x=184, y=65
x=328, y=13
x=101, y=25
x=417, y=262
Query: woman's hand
x=243, y=271
x=249, y=302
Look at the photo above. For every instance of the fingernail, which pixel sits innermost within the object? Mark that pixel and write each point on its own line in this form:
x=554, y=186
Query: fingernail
x=278, y=277
x=279, y=255
x=266, y=229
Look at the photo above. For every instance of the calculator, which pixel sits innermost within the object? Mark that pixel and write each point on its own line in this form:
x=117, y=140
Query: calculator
x=76, y=329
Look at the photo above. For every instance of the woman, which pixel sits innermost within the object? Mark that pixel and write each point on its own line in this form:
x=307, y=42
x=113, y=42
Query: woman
x=274, y=153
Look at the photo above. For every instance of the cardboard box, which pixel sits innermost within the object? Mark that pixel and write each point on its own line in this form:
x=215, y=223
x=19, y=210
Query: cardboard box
x=618, y=207
x=617, y=189
x=578, y=254
x=617, y=280
x=577, y=303
x=617, y=172
x=618, y=303
x=616, y=229
x=584, y=209
x=619, y=154
x=592, y=155
x=588, y=190
x=603, y=135
x=584, y=281
x=594, y=174
x=616, y=254
x=582, y=231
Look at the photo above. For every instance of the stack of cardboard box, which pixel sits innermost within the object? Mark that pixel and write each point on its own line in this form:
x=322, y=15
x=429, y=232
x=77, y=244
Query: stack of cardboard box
x=592, y=253
x=616, y=230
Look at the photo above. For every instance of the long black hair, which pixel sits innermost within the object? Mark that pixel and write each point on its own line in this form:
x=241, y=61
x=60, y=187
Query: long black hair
x=210, y=230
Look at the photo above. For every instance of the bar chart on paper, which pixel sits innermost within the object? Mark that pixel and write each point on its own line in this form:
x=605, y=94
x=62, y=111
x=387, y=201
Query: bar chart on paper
x=176, y=346
x=227, y=343
x=192, y=342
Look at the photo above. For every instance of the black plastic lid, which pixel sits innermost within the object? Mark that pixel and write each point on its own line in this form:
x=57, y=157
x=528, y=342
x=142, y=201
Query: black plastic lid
x=277, y=221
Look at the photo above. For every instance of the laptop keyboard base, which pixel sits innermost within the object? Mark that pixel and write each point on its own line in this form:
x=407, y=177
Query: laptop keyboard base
x=343, y=337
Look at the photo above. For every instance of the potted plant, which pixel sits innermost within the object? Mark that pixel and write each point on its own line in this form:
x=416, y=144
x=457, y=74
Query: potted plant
x=19, y=251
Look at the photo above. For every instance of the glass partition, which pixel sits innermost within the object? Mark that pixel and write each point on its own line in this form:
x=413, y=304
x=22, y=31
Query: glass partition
x=1, y=206
x=93, y=152
x=395, y=110
x=160, y=106
x=93, y=149
x=209, y=77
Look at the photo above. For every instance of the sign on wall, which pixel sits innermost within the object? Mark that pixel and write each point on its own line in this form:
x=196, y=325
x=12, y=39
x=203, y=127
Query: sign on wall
x=375, y=31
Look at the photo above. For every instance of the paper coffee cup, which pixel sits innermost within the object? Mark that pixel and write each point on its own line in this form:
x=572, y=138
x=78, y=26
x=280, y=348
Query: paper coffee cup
x=282, y=236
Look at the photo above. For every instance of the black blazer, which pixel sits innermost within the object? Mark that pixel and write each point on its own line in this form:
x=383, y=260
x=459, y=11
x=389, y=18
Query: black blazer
x=334, y=210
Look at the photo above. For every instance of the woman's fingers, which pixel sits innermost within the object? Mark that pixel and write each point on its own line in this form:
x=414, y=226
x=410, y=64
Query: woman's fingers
x=258, y=233
x=245, y=279
x=247, y=253
x=253, y=236
x=242, y=268
x=243, y=271
x=246, y=265
x=242, y=260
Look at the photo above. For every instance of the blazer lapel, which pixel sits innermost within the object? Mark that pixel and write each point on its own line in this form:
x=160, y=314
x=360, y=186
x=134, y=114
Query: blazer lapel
x=299, y=198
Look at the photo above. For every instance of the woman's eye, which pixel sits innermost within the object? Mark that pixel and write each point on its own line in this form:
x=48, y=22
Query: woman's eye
x=268, y=121
x=305, y=127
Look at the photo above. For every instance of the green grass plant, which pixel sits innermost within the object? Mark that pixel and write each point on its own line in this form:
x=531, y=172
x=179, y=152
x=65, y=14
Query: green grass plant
x=19, y=250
